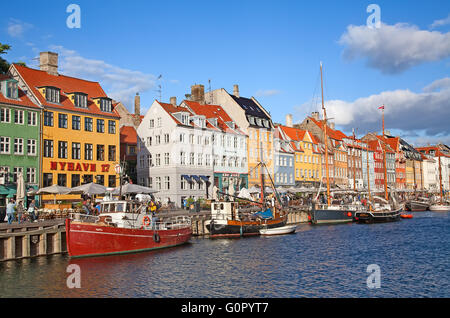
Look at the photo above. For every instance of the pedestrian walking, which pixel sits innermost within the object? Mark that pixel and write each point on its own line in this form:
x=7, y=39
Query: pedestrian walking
x=32, y=210
x=10, y=211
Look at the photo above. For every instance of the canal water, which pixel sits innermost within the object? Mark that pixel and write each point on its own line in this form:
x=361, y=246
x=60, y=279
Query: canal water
x=413, y=257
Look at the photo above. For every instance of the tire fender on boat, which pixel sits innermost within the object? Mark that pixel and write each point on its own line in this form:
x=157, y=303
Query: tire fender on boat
x=156, y=237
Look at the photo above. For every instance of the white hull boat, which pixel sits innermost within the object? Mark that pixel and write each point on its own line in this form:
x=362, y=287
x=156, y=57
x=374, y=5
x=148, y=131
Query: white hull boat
x=278, y=230
x=438, y=207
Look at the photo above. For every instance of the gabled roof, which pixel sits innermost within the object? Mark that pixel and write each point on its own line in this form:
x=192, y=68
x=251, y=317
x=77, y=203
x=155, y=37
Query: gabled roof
x=214, y=111
x=250, y=107
x=22, y=100
x=171, y=109
x=332, y=133
x=128, y=135
x=37, y=78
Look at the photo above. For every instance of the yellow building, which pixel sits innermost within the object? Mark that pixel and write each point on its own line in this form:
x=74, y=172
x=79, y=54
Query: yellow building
x=260, y=147
x=307, y=163
x=80, y=129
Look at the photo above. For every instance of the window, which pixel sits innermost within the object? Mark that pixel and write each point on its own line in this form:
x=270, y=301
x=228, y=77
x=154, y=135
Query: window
x=5, y=115
x=32, y=119
x=62, y=149
x=80, y=100
x=101, y=152
x=18, y=146
x=48, y=118
x=166, y=138
x=88, y=124
x=192, y=159
x=166, y=159
x=199, y=159
x=62, y=179
x=157, y=140
x=88, y=151
x=18, y=116
x=31, y=147
x=167, y=183
x=159, y=122
x=100, y=179
x=11, y=89
x=31, y=175
x=88, y=178
x=158, y=183
x=183, y=183
x=111, y=181
x=76, y=150
x=52, y=94
x=111, y=126
x=105, y=105
x=100, y=125
x=16, y=172
x=62, y=120
x=151, y=123
x=111, y=153
x=47, y=179
x=76, y=122
x=48, y=148
x=75, y=180
x=183, y=158
x=4, y=145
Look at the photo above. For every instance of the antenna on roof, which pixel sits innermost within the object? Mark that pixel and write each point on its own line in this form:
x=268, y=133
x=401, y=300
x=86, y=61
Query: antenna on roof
x=159, y=90
x=211, y=97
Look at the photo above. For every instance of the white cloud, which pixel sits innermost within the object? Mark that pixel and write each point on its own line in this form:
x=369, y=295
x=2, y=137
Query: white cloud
x=426, y=112
x=267, y=92
x=121, y=84
x=441, y=22
x=17, y=28
x=394, y=48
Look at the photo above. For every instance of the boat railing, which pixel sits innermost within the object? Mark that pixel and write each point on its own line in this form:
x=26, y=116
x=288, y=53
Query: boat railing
x=341, y=207
x=172, y=223
x=85, y=218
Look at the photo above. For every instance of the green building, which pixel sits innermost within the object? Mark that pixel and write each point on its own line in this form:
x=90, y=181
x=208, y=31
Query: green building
x=19, y=140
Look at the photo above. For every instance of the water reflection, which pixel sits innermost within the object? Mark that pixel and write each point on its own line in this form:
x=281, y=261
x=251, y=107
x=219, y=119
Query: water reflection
x=316, y=261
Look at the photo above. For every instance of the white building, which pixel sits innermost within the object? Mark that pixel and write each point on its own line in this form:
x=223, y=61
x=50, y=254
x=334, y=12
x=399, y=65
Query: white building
x=181, y=147
x=430, y=173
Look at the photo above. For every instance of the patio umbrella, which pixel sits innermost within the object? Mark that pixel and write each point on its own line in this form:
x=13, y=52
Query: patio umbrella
x=20, y=193
x=89, y=188
x=245, y=194
x=131, y=188
x=54, y=189
x=254, y=190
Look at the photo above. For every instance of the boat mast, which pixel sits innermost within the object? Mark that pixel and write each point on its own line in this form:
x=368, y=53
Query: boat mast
x=384, y=160
x=325, y=137
x=368, y=178
x=261, y=174
x=440, y=175
x=353, y=157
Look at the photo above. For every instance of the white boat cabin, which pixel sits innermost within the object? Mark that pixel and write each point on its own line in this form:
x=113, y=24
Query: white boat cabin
x=225, y=211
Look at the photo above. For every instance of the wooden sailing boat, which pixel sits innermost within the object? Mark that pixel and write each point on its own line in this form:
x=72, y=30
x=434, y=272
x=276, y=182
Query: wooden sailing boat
x=440, y=206
x=382, y=212
x=228, y=221
x=329, y=213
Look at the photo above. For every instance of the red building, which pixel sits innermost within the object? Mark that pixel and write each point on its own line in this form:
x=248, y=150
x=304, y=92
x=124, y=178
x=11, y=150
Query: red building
x=376, y=147
x=128, y=151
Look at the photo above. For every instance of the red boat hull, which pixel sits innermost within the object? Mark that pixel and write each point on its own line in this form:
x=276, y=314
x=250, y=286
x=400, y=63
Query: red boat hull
x=94, y=240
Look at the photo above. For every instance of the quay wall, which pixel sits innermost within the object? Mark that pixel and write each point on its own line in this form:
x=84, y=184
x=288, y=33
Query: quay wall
x=49, y=237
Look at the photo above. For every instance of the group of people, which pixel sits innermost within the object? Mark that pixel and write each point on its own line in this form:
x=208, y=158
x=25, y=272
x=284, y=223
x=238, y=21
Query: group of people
x=90, y=208
x=16, y=211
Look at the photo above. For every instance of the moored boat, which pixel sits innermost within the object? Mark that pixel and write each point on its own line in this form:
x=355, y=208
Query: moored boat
x=378, y=216
x=332, y=214
x=439, y=207
x=406, y=216
x=123, y=227
x=287, y=229
x=417, y=205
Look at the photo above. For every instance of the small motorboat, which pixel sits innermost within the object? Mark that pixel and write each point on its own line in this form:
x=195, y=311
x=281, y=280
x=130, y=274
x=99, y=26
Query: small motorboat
x=287, y=229
x=406, y=216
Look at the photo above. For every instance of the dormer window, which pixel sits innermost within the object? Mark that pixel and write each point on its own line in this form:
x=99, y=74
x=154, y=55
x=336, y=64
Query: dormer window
x=52, y=94
x=105, y=105
x=185, y=119
x=9, y=88
x=80, y=100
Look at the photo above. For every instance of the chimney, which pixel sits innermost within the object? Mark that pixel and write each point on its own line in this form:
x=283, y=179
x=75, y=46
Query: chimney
x=137, y=105
x=315, y=115
x=236, y=90
x=48, y=61
x=198, y=93
x=173, y=101
x=289, y=120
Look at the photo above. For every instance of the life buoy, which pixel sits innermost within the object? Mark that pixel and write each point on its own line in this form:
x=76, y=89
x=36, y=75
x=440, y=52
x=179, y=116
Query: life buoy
x=156, y=237
x=349, y=214
x=146, y=221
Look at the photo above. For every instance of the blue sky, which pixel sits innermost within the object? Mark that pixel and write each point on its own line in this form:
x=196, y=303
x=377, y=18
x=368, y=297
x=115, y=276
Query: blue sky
x=272, y=49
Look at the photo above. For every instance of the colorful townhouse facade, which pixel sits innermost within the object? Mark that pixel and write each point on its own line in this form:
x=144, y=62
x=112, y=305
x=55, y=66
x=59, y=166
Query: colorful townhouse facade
x=20, y=121
x=253, y=119
x=80, y=136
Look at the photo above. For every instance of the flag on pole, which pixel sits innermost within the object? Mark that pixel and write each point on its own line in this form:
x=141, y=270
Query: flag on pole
x=381, y=107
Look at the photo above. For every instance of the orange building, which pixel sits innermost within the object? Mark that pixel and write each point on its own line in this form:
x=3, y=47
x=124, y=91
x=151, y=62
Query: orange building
x=80, y=129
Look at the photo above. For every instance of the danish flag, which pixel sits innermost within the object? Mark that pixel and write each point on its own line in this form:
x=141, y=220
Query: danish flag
x=381, y=107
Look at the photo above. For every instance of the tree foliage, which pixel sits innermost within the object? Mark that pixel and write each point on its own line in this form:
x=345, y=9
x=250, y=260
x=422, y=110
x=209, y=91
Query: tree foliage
x=4, y=64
